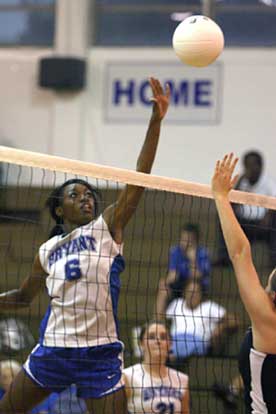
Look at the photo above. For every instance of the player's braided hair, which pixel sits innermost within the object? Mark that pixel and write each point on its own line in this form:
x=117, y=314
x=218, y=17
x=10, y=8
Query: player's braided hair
x=55, y=200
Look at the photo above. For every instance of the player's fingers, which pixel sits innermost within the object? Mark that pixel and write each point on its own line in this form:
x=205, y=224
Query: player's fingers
x=229, y=160
x=159, y=87
x=224, y=160
x=153, y=85
x=168, y=91
x=233, y=165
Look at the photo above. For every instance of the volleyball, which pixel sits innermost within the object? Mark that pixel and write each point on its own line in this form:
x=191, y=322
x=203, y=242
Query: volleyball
x=198, y=41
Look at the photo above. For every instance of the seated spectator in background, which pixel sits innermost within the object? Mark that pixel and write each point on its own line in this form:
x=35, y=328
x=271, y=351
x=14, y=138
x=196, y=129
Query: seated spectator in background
x=187, y=260
x=258, y=223
x=229, y=394
x=15, y=336
x=8, y=370
x=198, y=327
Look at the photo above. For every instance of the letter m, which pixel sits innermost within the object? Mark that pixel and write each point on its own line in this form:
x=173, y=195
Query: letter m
x=180, y=92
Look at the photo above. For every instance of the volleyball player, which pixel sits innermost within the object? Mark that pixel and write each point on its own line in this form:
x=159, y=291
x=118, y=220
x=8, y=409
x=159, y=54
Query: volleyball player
x=151, y=386
x=258, y=354
x=80, y=266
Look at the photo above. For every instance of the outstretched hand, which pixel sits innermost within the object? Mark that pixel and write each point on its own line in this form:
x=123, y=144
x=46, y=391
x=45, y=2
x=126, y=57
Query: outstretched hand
x=223, y=181
x=160, y=98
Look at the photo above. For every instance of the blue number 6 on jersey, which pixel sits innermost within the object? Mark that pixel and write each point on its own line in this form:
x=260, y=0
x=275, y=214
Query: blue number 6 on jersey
x=72, y=269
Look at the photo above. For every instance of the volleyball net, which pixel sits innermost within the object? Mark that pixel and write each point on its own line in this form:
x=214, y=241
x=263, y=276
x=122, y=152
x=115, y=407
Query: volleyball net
x=167, y=207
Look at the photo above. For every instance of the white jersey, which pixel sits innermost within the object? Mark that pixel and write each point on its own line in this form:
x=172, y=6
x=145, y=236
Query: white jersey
x=150, y=394
x=266, y=186
x=83, y=284
x=199, y=322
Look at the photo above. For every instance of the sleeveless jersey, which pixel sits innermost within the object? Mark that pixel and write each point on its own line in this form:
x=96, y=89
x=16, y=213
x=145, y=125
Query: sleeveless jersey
x=151, y=394
x=83, y=284
x=258, y=371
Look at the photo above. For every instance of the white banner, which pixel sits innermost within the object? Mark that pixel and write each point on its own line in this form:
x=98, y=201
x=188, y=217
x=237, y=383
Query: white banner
x=196, y=93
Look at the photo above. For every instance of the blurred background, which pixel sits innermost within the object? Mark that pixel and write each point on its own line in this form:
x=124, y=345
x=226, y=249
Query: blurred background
x=73, y=82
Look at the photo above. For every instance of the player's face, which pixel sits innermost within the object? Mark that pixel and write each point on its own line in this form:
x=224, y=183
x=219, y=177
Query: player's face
x=156, y=343
x=77, y=205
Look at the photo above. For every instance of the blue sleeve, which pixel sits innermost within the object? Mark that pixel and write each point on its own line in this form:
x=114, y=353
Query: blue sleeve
x=204, y=261
x=173, y=258
x=205, y=266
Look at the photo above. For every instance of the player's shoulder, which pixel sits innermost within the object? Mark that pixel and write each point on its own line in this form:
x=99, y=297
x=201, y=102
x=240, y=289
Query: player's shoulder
x=270, y=185
x=175, y=304
x=178, y=376
x=212, y=306
x=175, y=249
x=132, y=370
x=51, y=242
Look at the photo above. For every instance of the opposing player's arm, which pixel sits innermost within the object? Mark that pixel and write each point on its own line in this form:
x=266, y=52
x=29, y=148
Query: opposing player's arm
x=30, y=287
x=252, y=293
x=185, y=405
x=118, y=214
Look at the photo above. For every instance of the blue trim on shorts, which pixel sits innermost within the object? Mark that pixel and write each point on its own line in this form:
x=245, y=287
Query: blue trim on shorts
x=43, y=324
x=108, y=393
x=117, y=267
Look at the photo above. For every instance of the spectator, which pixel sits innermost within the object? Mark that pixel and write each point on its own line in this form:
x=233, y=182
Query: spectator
x=15, y=336
x=258, y=223
x=9, y=368
x=198, y=327
x=187, y=260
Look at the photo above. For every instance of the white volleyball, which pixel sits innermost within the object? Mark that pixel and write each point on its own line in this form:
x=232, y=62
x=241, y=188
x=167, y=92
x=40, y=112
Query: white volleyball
x=198, y=41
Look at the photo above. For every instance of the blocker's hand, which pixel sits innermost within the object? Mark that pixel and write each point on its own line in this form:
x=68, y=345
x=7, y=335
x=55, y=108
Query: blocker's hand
x=160, y=98
x=222, y=182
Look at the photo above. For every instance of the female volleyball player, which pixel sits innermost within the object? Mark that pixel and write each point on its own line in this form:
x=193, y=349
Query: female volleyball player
x=258, y=353
x=151, y=386
x=78, y=340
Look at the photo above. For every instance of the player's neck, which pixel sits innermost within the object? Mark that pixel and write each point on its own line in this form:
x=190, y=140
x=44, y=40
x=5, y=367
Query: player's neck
x=155, y=369
x=69, y=227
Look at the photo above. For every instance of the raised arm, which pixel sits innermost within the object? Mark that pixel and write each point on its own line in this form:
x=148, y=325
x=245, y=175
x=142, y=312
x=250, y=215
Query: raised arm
x=22, y=297
x=117, y=215
x=164, y=294
x=252, y=293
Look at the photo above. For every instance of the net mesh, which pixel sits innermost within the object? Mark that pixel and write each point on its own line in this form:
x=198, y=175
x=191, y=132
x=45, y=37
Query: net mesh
x=149, y=239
